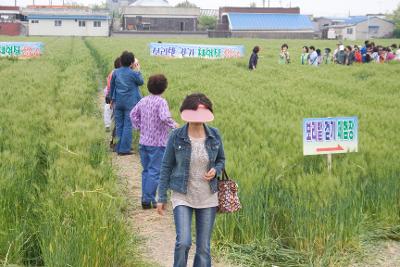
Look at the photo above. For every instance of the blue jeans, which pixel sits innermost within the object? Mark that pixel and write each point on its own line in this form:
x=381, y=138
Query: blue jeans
x=123, y=130
x=151, y=157
x=204, y=225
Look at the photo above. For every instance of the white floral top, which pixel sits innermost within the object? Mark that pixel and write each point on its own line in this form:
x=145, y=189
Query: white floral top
x=199, y=195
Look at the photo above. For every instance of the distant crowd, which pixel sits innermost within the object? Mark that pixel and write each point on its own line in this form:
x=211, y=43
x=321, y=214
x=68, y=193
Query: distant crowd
x=342, y=55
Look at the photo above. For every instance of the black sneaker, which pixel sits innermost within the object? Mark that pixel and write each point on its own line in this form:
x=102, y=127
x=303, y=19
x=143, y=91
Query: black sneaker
x=125, y=154
x=146, y=206
x=154, y=204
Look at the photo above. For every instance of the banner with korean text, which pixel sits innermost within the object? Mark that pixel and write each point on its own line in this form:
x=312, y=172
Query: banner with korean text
x=21, y=49
x=196, y=51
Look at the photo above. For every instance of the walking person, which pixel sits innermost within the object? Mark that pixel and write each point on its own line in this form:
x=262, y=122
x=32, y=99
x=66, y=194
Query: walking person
x=313, y=58
x=364, y=51
x=151, y=116
x=335, y=52
x=398, y=53
x=375, y=55
x=327, y=56
x=304, y=56
x=124, y=94
x=194, y=158
x=341, y=56
x=357, y=54
x=320, y=58
x=254, y=58
x=350, y=55
x=284, y=56
x=107, y=108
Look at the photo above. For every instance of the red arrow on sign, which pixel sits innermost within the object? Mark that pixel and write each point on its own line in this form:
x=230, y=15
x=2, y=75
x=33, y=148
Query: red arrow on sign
x=330, y=149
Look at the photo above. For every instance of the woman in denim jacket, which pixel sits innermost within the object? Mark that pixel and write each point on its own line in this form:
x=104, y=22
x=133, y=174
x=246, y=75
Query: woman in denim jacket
x=193, y=159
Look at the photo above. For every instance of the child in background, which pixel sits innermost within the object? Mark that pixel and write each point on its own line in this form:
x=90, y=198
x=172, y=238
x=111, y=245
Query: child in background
x=152, y=118
x=107, y=108
x=284, y=57
x=304, y=56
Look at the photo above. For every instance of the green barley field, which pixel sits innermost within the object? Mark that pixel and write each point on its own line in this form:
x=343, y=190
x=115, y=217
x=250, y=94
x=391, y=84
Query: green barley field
x=59, y=203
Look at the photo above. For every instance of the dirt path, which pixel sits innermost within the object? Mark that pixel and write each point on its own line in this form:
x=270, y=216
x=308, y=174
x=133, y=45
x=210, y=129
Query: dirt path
x=157, y=233
x=382, y=254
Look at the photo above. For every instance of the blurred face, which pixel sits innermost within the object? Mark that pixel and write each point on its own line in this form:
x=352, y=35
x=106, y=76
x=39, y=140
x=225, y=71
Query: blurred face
x=284, y=49
x=304, y=50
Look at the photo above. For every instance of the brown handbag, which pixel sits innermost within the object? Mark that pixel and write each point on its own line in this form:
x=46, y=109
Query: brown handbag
x=228, y=199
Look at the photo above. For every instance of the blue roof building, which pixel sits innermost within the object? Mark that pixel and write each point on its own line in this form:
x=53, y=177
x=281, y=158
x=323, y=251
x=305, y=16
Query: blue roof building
x=268, y=22
x=274, y=23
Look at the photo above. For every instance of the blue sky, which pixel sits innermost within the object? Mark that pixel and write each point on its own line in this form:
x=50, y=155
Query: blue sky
x=316, y=7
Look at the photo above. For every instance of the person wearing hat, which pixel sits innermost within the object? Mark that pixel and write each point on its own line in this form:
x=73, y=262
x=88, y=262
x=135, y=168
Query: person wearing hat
x=193, y=159
x=341, y=56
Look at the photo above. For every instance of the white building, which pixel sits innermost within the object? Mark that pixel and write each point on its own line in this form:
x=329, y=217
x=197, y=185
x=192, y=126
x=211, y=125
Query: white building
x=66, y=21
x=362, y=28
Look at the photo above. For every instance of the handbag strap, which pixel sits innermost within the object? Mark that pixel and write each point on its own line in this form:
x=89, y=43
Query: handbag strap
x=225, y=175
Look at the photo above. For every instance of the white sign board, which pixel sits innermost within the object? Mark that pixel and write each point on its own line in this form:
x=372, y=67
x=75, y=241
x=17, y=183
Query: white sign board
x=330, y=135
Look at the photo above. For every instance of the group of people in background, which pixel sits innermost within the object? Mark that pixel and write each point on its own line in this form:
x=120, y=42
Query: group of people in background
x=185, y=160
x=348, y=55
x=342, y=55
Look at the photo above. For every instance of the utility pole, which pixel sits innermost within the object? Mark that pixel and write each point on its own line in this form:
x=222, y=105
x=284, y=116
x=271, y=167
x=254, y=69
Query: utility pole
x=263, y=3
x=269, y=3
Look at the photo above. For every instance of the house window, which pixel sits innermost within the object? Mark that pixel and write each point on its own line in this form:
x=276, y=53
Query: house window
x=96, y=24
x=373, y=29
x=350, y=31
x=57, y=23
x=82, y=23
x=34, y=21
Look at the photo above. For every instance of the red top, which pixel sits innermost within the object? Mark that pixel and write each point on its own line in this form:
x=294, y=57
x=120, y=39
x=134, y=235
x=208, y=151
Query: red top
x=358, y=56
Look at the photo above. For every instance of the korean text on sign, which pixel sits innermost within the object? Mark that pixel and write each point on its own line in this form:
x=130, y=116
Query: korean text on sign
x=330, y=135
x=195, y=51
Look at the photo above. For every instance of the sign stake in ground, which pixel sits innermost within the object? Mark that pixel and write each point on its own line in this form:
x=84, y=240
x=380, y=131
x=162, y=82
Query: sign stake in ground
x=327, y=136
x=329, y=163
